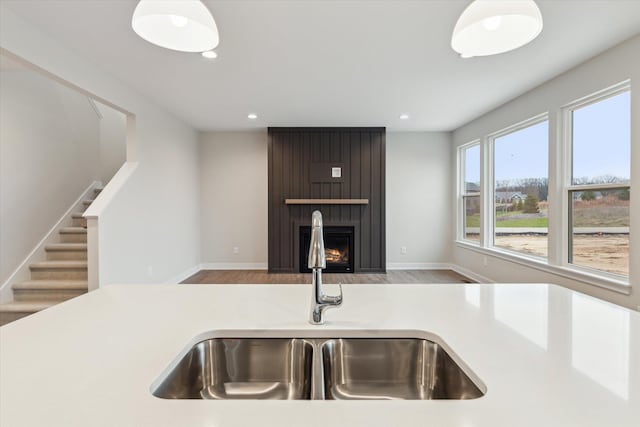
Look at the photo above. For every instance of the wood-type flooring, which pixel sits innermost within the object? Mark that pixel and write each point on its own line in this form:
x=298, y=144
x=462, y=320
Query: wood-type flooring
x=264, y=277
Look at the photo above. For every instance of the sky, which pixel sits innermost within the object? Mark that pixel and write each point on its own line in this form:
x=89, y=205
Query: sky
x=601, y=145
x=602, y=138
x=472, y=164
x=523, y=154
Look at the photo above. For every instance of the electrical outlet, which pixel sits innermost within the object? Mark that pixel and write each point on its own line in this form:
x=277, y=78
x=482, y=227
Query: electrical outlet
x=403, y=249
x=236, y=250
x=150, y=270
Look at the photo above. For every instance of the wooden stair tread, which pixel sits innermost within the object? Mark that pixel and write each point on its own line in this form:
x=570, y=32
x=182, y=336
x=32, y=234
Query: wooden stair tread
x=87, y=202
x=53, y=284
x=66, y=247
x=26, y=307
x=77, y=215
x=73, y=230
x=58, y=264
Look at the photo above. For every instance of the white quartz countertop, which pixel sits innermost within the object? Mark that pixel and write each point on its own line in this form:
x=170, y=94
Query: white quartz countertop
x=546, y=355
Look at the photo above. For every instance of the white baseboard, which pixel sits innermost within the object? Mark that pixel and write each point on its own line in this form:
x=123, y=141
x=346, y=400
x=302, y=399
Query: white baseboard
x=418, y=266
x=38, y=253
x=470, y=274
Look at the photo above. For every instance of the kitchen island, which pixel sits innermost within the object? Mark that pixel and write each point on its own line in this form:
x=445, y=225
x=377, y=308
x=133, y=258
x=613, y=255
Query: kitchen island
x=543, y=355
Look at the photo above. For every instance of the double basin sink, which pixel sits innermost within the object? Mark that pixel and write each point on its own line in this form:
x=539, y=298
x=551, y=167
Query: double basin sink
x=314, y=368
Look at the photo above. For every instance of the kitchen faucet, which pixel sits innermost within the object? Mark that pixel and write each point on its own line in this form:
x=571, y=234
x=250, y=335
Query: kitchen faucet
x=317, y=261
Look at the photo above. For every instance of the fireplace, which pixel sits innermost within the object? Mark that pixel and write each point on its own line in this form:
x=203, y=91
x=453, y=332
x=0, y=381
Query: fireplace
x=338, y=249
x=340, y=171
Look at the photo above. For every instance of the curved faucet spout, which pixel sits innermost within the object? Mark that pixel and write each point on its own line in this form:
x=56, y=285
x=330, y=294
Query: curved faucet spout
x=317, y=261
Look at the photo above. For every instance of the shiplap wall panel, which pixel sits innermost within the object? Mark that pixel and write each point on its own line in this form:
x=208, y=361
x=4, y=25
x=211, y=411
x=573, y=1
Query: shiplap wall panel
x=361, y=151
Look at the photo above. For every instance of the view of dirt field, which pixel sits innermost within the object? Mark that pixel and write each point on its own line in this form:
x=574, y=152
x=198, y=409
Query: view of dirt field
x=601, y=239
x=607, y=252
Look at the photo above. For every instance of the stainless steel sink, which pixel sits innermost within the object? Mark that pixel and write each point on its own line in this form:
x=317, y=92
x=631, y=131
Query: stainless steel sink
x=392, y=369
x=247, y=368
x=273, y=366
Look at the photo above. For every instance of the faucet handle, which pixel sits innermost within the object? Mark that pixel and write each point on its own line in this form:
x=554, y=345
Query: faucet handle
x=334, y=299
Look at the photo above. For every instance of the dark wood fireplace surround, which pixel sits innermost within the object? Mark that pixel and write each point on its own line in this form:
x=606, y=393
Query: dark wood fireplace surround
x=303, y=177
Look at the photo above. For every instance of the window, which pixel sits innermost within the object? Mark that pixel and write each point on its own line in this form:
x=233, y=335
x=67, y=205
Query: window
x=521, y=183
x=470, y=180
x=579, y=229
x=599, y=190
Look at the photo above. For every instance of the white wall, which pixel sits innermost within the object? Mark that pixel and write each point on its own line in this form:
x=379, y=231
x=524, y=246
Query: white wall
x=113, y=141
x=611, y=67
x=48, y=157
x=418, y=197
x=234, y=199
x=234, y=192
x=150, y=230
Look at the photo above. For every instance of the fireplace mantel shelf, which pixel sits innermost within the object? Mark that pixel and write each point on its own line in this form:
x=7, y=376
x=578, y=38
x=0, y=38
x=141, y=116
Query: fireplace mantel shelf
x=326, y=201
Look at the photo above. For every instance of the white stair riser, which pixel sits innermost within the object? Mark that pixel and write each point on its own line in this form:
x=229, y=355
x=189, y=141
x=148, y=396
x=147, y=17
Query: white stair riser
x=79, y=255
x=26, y=295
x=73, y=238
x=59, y=274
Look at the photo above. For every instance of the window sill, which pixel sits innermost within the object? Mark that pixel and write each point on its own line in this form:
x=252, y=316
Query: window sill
x=611, y=284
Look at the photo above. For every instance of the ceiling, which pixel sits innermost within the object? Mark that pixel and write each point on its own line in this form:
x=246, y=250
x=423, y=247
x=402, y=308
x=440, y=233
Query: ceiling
x=331, y=62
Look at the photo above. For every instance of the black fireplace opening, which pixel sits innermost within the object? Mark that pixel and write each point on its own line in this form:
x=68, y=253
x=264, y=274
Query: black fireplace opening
x=338, y=249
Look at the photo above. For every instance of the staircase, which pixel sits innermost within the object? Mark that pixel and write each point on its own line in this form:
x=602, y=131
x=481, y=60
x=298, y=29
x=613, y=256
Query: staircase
x=62, y=276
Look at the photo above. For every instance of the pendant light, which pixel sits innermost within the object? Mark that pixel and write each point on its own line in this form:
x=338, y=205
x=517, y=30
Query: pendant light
x=490, y=27
x=182, y=25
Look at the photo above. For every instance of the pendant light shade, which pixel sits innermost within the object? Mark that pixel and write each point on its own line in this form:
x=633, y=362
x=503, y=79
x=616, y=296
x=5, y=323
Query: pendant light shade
x=183, y=25
x=489, y=27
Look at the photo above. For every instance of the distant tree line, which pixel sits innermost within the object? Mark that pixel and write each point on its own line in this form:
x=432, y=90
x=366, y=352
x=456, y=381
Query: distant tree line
x=539, y=187
x=604, y=179
x=588, y=195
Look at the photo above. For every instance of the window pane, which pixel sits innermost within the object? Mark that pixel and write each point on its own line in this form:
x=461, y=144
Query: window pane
x=602, y=141
x=472, y=169
x=521, y=188
x=472, y=218
x=471, y=193
x=600, y=230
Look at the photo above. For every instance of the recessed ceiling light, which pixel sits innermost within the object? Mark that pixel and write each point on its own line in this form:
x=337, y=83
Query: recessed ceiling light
x=252, y=116
x=209, y=54
x=404, y=117
x=185, y=25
